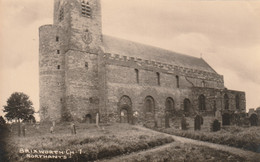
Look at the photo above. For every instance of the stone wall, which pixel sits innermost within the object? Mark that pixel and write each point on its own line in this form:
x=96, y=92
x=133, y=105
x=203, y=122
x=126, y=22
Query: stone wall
x=215, y=99
x=81, y=83
x=121, y=79
x=193, y=76
x=52, y=46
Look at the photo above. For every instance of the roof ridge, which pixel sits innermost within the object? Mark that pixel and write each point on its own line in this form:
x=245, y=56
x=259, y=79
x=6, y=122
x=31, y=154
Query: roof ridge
x=208, y=65
x=178, y=53
x=114, y=45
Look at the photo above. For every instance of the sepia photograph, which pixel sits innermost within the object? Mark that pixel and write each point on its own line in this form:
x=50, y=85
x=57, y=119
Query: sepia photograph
x=129, y=80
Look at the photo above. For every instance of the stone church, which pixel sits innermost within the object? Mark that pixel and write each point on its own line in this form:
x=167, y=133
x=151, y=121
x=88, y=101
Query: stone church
x=83, y=72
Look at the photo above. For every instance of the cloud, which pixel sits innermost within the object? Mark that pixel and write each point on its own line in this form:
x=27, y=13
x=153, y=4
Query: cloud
x=230, y=23
x=25, y=12
x=243, y=61
x=22, y=79
x=19, y=47
x=20, y=33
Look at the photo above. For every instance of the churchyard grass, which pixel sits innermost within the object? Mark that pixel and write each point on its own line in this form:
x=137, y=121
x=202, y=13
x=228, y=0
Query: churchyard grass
x=90, y=142
x=245, y=138
x=179, y=152
x=120, y=142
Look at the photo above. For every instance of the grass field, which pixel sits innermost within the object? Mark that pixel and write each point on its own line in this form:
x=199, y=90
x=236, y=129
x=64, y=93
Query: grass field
x=90, y=143
x=245, y=138
x=179, y=152
x=109, y=141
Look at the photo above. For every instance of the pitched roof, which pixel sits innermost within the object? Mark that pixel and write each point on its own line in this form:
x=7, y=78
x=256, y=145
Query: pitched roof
x=138, y=50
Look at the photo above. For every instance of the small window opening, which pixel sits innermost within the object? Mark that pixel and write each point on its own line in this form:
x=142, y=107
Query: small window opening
x=86, y=65
x=61, y=15
x=158, y=78
x=177, y=81
x=91, y=100
x=57, y=39
x=58, y=67
x=58, y=51
x=137, y=75
x=203, y=84
x=60, y=99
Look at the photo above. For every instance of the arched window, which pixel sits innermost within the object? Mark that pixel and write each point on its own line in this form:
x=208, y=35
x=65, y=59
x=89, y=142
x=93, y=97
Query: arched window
x=169, y=106
x=149, y=104
x=237, y=102
x=177, y=81
x=187, y=105
x=202, y=103
x=226, y=102
x=169, y=110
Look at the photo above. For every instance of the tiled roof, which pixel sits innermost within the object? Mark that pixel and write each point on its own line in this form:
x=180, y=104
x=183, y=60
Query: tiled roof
x=132, y=49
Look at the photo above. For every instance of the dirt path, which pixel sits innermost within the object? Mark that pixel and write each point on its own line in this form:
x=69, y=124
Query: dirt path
x=250, y=156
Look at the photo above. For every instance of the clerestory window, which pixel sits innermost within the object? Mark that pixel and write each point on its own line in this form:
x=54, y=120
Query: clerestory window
x=137, y=75
x=177, y=81
x=158, y=78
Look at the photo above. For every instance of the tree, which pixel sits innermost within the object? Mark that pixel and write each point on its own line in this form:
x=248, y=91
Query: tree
x=2, y=121
x=30, y=119
x=18, y=107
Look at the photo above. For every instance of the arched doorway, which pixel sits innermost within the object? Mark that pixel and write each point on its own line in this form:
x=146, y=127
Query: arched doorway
x=169, y=110
x=202, y=103
x=125, y=110
x=226, y=119
x=88, y=119
x=253, y=120
x=124, y=117
x=187, y=106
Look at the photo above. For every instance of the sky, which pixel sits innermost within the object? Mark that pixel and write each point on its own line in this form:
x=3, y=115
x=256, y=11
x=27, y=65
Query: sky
x=225, y=33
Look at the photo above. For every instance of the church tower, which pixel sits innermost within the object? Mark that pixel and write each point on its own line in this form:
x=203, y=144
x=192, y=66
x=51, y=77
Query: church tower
x=68, y=61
